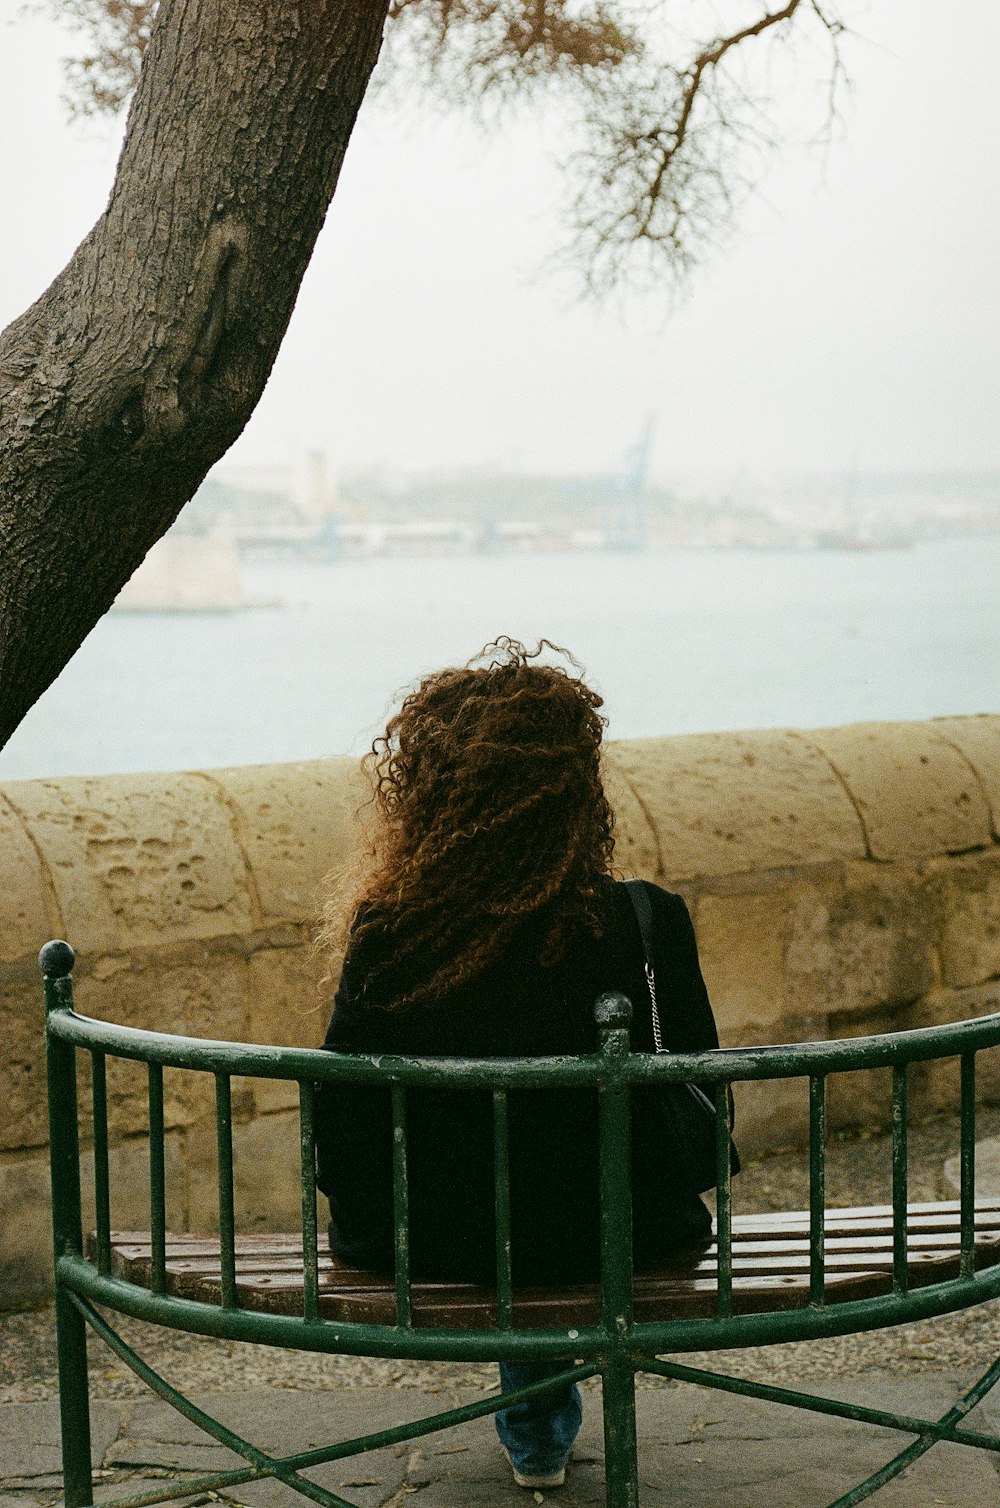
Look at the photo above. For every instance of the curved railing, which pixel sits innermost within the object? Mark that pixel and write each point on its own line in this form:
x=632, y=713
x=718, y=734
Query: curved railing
x=617, y=1344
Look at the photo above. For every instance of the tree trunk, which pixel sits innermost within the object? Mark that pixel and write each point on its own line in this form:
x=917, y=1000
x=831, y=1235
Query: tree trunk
x=139, y=366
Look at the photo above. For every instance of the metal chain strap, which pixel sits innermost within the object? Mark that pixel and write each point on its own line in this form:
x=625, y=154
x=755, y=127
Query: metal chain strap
x=657, y=1038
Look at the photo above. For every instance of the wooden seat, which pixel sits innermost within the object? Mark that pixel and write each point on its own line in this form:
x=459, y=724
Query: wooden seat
x=770, y=1271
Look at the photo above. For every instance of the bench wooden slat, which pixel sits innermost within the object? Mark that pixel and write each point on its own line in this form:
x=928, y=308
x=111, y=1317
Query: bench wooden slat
x=777, y=1226
x=840, y=1247
x=770, y=1271
x=747, y=1259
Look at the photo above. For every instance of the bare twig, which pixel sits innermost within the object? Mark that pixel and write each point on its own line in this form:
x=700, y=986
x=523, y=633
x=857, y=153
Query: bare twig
x=667, y=161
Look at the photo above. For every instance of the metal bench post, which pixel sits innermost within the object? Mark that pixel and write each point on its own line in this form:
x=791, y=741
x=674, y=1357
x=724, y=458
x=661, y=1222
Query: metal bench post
x=56, y=961
x=613, y=1013
x=310, y=1248
x=501, y=1204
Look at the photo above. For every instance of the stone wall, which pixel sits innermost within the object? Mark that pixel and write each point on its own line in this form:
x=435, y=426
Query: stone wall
x=842, y=881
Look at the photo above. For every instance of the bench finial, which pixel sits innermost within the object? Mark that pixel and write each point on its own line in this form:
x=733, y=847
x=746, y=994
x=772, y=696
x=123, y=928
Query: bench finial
x=56, y=959
x=613, y=1009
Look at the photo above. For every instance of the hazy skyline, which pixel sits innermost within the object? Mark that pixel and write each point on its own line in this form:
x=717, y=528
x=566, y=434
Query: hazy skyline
x=852, y=323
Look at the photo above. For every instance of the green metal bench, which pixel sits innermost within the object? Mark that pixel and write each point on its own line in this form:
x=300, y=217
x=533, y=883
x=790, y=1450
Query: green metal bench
x=765, y=1279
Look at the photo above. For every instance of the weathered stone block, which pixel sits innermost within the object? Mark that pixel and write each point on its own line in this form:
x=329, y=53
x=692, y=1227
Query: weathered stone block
x=137, y=858
x=196, y=993
x=25, y=1230
x=741, y=943
x=267, y=1188
x=268, y=1176
x=295, y=822
x=201, y=1189
x=934, y=1088
x=24, y=1122
x=271, y=1095
x=970, y=933
x=916, y=794
x=188, y=991
x=636, y=851
x=23, y=1114
x=943, y=1007
x=770, y=1113
x=988, y=1076
x=188, y=1097
x=128, y=1104
x=978, y=740
x=289, y=1004
x=861, y=1100
x=936, y=1082
x=723, y=803
x=128, y=1176
x=863, y=939
x=26, y=912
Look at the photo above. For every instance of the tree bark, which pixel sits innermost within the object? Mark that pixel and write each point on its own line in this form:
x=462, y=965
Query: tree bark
x=140, y=365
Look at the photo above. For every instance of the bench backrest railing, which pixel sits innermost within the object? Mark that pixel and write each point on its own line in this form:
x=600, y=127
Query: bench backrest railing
x=612, y=1072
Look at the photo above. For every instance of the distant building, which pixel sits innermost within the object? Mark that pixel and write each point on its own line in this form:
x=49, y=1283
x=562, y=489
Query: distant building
x=186, y=574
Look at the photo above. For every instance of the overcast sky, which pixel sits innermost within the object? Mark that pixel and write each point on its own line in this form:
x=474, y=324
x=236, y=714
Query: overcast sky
x=852, y=324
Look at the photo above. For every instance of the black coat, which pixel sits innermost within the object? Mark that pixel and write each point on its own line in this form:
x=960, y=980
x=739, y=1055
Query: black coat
x=516, y=1009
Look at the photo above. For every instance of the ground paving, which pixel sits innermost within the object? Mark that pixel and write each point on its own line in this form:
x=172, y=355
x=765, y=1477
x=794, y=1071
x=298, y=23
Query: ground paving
x=696, y=1447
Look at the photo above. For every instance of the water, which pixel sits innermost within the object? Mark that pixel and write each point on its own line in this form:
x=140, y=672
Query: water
x=684, y=641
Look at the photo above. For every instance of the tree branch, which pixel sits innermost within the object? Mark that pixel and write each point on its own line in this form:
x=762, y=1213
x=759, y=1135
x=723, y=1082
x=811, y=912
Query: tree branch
x=669, y=152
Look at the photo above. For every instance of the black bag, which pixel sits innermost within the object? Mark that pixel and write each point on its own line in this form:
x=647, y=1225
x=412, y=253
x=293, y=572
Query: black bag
x=690, y=1113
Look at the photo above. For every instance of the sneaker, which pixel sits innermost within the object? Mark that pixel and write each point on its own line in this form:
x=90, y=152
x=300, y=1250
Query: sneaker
x=537, y=1479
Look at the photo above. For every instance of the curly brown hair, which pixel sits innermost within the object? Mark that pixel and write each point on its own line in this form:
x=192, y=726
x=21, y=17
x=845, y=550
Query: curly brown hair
x=488, y=809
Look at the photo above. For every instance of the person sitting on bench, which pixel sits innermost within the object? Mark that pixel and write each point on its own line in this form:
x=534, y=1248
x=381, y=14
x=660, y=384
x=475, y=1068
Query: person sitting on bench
x=483, y=921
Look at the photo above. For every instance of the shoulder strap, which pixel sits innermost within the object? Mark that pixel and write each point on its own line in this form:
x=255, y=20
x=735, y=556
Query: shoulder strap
x=639, y=896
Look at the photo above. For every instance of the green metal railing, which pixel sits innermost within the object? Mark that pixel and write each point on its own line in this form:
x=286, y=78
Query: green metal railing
x=616, y=1346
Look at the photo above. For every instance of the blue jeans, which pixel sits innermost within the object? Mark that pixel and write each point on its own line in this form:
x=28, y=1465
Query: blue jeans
x=538, y=1435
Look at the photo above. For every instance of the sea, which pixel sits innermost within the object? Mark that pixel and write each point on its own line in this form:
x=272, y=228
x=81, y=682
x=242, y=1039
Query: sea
x=679, y=641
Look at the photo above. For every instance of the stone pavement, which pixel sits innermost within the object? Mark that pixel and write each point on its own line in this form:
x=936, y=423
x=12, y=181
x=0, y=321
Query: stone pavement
x=696, y=1448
